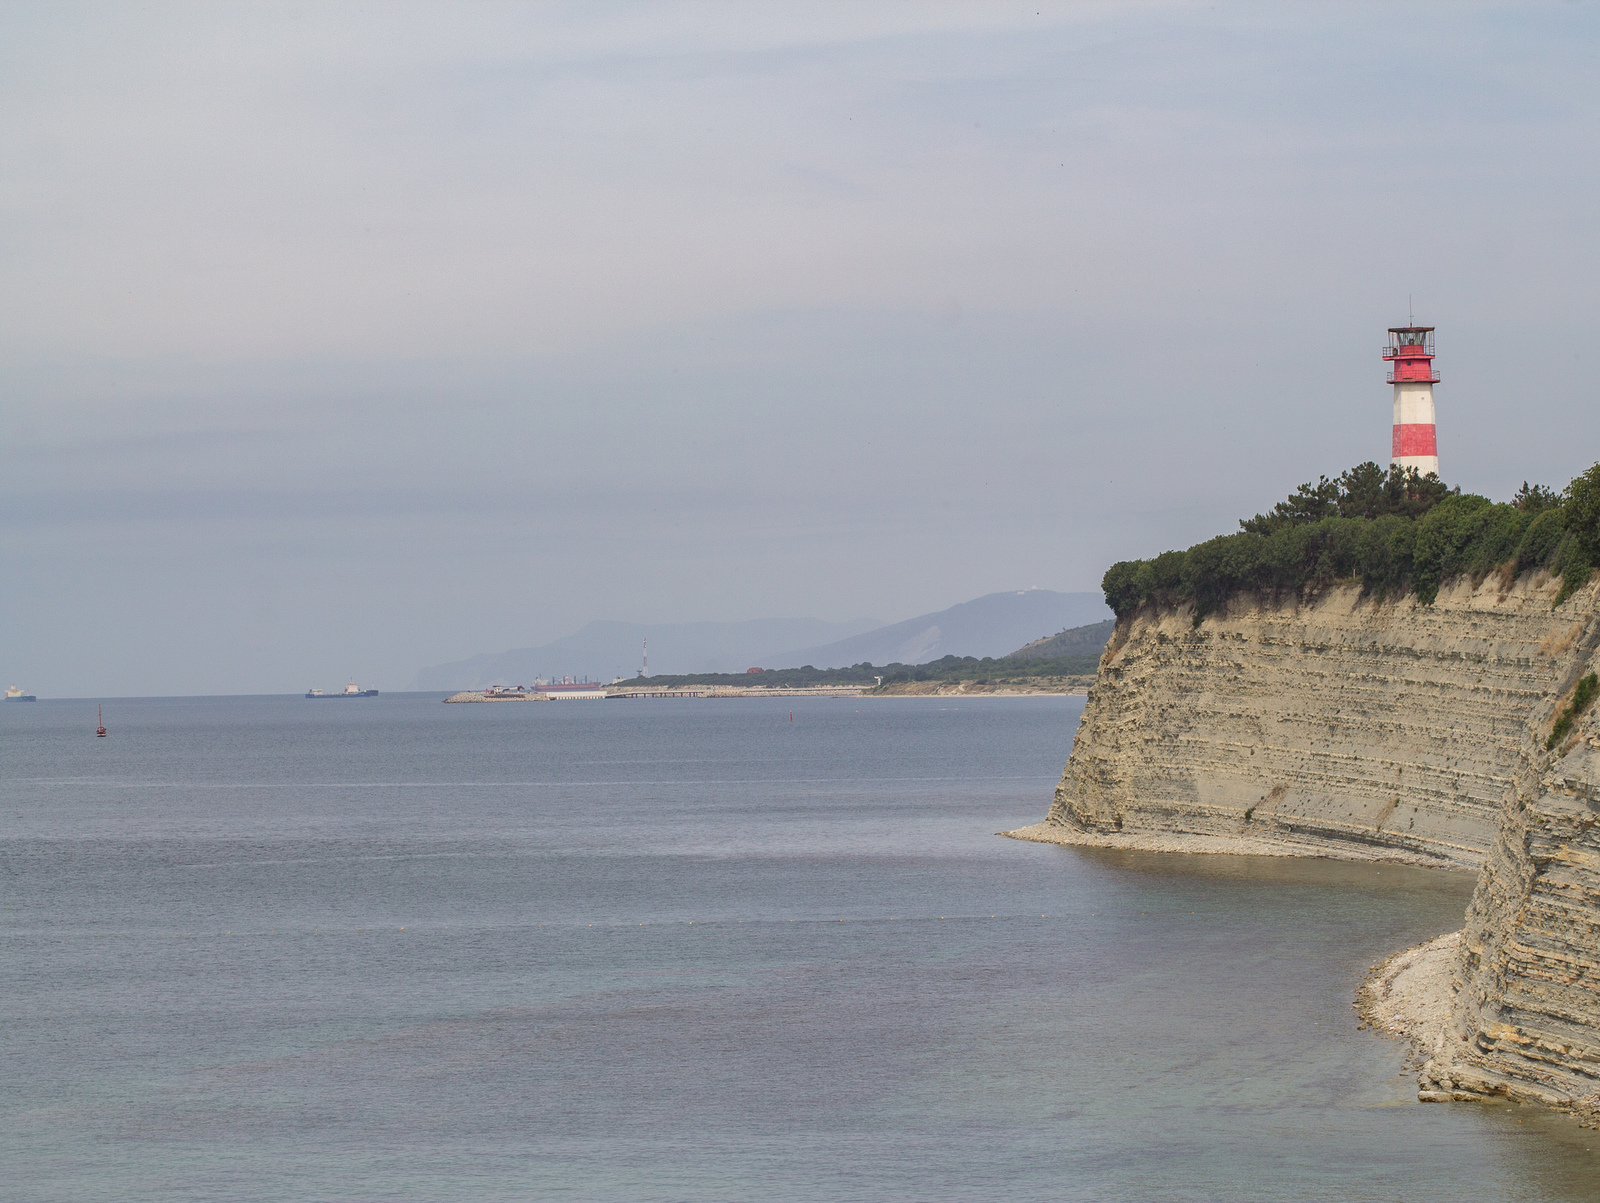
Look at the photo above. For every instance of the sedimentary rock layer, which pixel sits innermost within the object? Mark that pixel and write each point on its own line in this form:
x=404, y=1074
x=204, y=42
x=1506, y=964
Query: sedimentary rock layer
x=1349, y=727
x=1526, y=1020
x=1340, y=726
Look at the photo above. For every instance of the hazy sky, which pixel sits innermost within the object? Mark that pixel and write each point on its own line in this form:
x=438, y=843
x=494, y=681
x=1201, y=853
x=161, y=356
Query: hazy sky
x=341, y=339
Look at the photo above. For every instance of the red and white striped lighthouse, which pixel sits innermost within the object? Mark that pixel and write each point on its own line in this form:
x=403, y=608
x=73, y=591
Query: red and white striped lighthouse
x=1410, y=349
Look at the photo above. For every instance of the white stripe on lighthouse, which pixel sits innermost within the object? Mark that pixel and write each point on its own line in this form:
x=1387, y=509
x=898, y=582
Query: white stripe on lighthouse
x=1415, y=436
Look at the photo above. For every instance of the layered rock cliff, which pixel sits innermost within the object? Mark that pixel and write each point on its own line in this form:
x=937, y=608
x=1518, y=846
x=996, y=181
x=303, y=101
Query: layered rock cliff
x=1340, y=726
x=1526, y=1016
x=1344, y=726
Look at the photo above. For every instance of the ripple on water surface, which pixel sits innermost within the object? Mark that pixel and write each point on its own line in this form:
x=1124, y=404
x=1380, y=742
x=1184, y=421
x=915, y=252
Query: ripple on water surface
x=261, y=949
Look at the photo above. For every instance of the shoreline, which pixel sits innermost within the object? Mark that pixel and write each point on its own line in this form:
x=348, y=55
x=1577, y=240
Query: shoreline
x=971, y=689
x=758, y=693
x=1213, y=845
x=1410, y=996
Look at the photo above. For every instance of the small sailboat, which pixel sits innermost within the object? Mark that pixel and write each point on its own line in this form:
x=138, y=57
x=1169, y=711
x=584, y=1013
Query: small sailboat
x=100, y=722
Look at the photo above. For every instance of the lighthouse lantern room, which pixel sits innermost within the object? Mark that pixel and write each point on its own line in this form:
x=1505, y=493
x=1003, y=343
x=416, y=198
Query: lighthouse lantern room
x=1410, y=350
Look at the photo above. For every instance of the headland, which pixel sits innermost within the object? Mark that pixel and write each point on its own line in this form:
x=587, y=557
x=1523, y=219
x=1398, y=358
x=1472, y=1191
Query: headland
x=1413, y=684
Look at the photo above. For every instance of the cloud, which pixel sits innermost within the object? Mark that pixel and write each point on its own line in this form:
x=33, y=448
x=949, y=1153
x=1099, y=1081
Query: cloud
x=721, y=311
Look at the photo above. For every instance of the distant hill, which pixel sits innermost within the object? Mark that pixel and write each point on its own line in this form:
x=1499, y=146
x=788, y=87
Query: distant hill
x=1060, y=658
x=1075, y=641
x=994, y=625
x=603, y=650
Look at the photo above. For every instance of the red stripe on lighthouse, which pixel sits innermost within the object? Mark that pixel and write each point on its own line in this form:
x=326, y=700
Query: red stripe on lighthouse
x=1415, y=438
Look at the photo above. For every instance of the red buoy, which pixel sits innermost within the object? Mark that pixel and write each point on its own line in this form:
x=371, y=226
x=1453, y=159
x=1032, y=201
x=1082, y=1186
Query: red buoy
x=100, y=720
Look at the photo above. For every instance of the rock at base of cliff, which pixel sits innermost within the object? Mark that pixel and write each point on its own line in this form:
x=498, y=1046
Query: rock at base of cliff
x=1411, y=994
x=1050, y=832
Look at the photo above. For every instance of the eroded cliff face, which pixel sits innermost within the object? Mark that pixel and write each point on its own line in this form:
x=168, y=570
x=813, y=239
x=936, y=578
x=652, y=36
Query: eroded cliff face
x=1353, y=728
x=1342, y=726
x=1526, y=1017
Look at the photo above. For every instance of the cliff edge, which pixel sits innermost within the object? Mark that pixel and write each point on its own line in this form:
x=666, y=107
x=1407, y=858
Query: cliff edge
x=1525, y=1019
x=1336, y=726
x=1347, y=727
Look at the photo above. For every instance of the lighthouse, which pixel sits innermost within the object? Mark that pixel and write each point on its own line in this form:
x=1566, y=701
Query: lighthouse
x=1410, y=350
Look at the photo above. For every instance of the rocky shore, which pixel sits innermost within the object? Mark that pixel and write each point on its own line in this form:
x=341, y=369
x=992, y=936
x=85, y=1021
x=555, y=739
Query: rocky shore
x=1410, y=996
x=1241, y=845
x=1347, y=727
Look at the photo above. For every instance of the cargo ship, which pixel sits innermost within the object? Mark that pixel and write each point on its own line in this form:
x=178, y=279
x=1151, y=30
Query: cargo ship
x=16, y=695
x=351, y=690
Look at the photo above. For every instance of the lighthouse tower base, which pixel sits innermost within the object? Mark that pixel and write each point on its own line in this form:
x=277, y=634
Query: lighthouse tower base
x=1415, y=439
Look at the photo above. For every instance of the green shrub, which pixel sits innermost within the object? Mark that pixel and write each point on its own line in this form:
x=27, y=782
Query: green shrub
x=1580, y=509
x=1582, y=698
x=1395, y=532
x=1572, y=563
x=1540, y=540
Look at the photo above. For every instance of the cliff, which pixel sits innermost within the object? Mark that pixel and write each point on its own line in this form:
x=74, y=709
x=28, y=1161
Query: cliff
x=1525, y=1021
x=1344, y=726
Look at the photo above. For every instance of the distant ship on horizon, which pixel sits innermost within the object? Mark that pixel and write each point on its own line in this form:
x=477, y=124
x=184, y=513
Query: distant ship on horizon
x=351, y=690
x=16, y=695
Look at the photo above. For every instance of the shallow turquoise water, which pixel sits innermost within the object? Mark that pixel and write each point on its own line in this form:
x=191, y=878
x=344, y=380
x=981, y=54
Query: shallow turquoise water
x=264, y=948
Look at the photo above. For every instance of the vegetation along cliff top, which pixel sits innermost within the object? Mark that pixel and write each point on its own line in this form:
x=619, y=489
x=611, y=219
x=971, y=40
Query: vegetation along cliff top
x=1396, y=532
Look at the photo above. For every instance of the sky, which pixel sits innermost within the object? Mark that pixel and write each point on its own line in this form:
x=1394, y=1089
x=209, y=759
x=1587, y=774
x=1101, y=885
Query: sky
x=341, y=339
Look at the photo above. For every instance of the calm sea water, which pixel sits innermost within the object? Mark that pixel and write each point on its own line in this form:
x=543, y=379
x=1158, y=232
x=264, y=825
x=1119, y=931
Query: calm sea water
x=266, y=948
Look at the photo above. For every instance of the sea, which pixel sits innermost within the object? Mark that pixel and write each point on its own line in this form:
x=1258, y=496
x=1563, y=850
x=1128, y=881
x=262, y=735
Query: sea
x=265, y=948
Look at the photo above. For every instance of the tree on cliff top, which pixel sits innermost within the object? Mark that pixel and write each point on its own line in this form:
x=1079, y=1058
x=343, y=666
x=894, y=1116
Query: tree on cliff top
x=1396, y=532
x=1365, y=491
x=1580, y=507
x=1535, y=499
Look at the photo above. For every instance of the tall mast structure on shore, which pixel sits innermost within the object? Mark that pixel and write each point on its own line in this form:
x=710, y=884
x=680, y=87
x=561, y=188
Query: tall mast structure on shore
x=1410, y=350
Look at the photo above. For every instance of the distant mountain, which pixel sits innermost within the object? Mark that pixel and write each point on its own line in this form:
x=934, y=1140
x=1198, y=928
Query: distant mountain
x=995, y=625
x=603, y=650
x=1076, y=641
x=989, y=626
